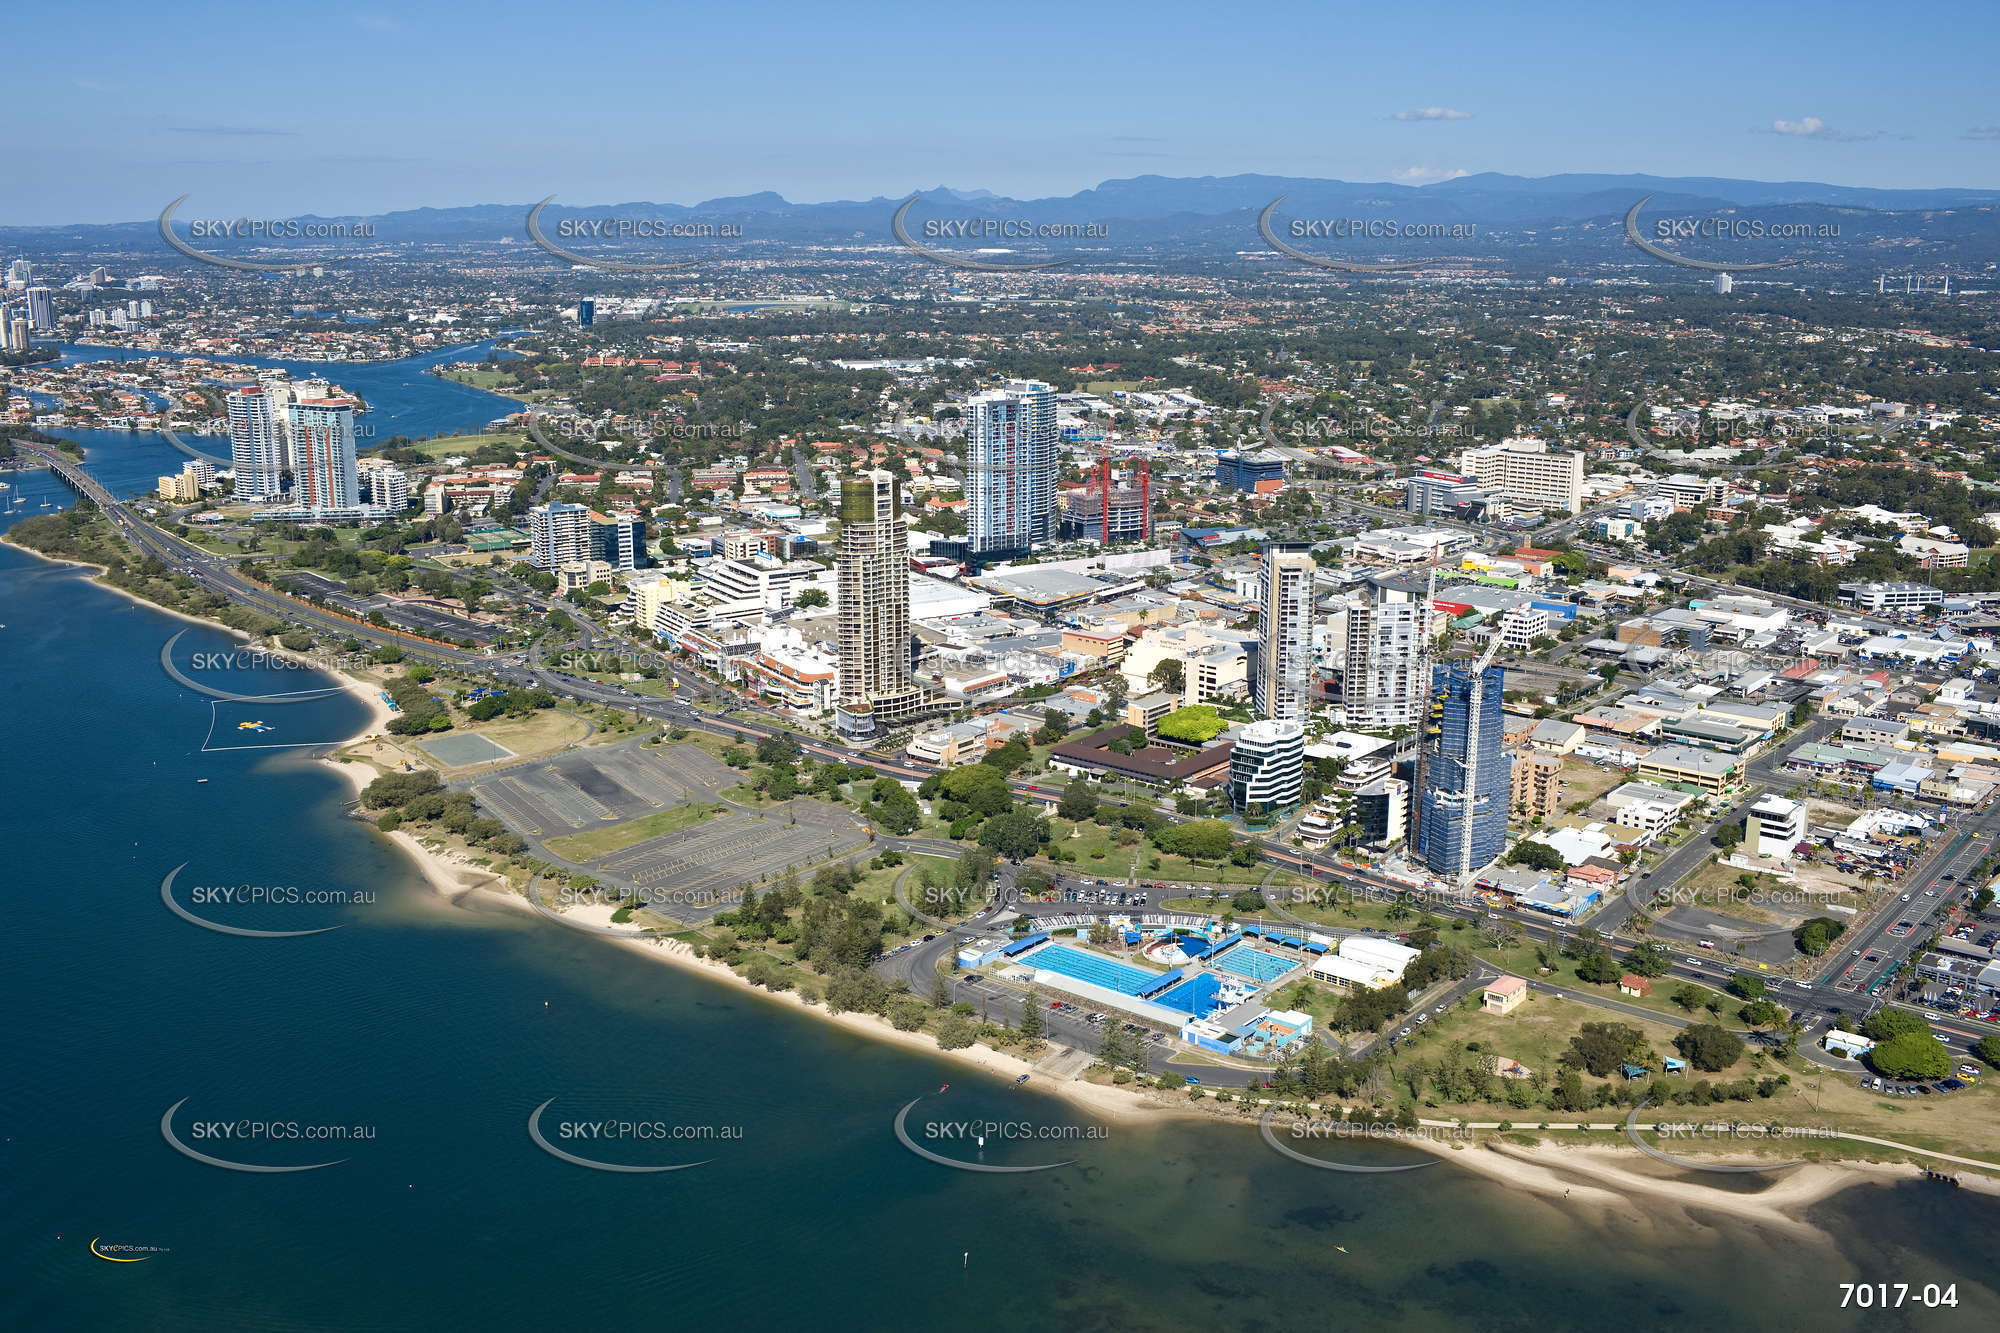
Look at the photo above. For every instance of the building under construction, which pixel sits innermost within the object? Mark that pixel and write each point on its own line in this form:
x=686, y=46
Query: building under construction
x=1128, y=517
x=1463, y=771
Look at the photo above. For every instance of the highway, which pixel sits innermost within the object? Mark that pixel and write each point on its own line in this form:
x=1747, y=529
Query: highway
x=1814, y=1005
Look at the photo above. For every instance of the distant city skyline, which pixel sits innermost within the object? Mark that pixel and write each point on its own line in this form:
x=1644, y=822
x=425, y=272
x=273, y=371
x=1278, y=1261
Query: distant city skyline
x=628, y=103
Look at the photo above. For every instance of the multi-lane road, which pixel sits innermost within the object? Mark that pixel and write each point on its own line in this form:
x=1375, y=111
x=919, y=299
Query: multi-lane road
x=1815, y=1004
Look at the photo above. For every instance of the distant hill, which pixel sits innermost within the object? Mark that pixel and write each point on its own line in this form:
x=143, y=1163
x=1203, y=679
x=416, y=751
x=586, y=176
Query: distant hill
x=1152, y=213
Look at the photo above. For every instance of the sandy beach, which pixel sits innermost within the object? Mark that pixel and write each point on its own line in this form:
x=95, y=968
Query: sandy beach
x=1109, y=1103
x=1598, y=1172
x=1611, y=1177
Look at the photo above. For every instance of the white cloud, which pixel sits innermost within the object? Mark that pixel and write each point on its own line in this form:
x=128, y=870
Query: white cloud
x=1426, y=175
x=1812, y=127
x=1983, y=132
x=1433, y=113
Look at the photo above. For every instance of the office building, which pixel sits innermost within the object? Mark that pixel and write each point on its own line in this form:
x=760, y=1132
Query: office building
x=1724, y=284
x=1774, y=827
x=41, y=310
x=1466, y=782
x=1528, y=471
x=872, y=569
x=255, y=452
x=1875, y=598
x=1010, y=470
x=586, y=313
x=1449, y=495
x=1250, y=473
x=14, y=332
x=558, y=534
x=20, y=273
x=619, y=539
x=1284, y=634
x=323, y=451
x=1267, y=770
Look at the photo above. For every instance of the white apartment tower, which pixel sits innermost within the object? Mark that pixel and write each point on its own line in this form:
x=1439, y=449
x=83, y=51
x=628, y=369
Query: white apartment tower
x=1382, y=684
x=255, y=452
x=390, y=488
x=872, y=570
x=323, y=454
x=558, y=534
x=1010, y=468
x=1284, y=656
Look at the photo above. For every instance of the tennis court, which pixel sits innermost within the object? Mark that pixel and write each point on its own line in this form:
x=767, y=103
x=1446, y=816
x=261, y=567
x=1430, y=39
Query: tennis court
x=468, y=748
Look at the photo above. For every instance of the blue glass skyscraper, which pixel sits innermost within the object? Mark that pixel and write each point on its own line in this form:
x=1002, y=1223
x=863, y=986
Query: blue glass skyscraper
x=1462, y=810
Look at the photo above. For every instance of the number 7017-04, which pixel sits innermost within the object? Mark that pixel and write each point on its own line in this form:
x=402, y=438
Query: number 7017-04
x=1894, y=1295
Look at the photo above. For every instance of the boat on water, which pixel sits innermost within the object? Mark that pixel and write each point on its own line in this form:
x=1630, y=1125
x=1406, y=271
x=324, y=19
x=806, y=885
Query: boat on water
x=199, y=781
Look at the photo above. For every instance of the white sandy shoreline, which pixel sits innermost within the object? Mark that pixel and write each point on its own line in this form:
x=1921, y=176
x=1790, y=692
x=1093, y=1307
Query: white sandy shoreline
x=1609, y=1178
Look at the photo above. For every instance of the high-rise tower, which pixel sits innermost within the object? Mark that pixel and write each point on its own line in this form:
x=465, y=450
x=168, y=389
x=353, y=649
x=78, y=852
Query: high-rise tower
x=323, y=454
x=1010, y=469
x=876, y=692
x=255, y=452
x=1284, y=653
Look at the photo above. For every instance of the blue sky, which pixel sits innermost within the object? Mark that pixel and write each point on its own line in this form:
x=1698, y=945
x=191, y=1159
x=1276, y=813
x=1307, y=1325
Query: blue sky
x=273, y=109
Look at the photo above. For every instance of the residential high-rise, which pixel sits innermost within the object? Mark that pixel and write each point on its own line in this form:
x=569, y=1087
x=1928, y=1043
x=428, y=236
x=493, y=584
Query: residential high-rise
x=390, y=488
x=559, y=533
x=323, y=453
x=255, y=451
x=1010, y=469
x=1267, y=770
x=1381, y=680
x=1284, y=651
x=872, y=571
x=282, y=395
x=41, y=310
x=1467, y=772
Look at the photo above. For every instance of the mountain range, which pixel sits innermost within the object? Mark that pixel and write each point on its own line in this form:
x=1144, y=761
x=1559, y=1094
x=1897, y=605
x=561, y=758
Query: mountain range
x=1153, y=211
